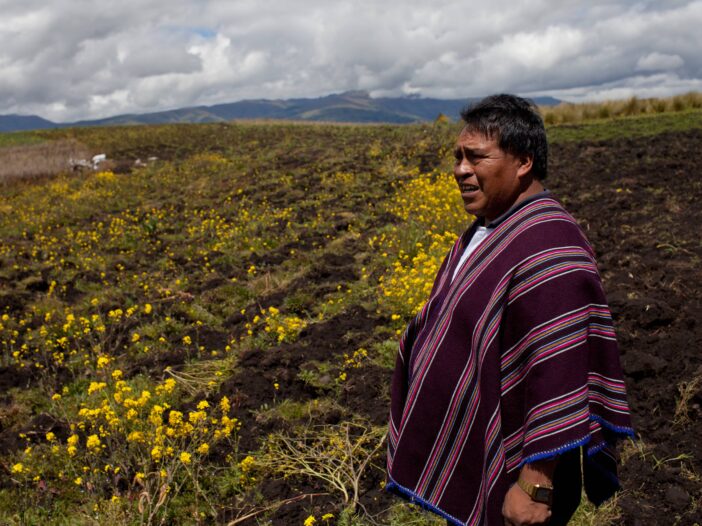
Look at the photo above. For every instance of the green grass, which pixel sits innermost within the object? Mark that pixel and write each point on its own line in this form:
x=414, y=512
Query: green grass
x=20, y=138
x=638, y=126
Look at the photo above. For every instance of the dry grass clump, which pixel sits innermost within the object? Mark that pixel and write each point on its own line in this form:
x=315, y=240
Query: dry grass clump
x=688, y=391
x=567, y=113
x=38, y=160
x=337, y=455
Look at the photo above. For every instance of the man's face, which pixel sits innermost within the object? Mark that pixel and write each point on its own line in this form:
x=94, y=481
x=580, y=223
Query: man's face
x=489, y=179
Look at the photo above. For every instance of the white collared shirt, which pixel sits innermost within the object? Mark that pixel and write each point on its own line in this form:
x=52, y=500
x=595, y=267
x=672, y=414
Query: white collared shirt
x=478, y=236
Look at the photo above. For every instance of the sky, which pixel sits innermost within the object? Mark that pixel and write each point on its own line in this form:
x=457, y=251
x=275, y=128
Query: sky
x=67, y=60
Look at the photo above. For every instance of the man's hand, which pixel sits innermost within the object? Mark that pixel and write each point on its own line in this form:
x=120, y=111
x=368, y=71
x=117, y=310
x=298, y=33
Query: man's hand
x=519, y=510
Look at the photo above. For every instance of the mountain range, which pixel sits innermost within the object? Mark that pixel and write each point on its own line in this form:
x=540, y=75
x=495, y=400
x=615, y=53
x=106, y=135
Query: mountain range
x=352, y=106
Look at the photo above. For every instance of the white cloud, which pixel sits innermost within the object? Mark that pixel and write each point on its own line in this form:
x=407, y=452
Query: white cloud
x=73, y=59
x=659, y=62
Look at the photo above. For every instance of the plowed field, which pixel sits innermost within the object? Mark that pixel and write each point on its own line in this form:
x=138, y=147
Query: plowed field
x=248, y=264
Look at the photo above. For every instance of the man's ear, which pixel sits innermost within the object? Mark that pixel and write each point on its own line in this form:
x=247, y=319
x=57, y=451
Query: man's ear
x=525, y=164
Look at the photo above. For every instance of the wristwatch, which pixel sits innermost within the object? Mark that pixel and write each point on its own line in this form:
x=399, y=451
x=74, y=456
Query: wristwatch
x=537, y=492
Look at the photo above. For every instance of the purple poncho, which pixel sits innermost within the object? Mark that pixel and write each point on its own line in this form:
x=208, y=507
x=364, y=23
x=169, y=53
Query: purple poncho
x=514, y=361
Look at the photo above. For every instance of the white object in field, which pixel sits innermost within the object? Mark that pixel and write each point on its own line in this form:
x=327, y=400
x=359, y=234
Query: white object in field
x=97, y=159
x=79, y=163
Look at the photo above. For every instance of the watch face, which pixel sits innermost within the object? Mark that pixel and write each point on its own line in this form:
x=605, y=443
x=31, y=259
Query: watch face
x=542, y=495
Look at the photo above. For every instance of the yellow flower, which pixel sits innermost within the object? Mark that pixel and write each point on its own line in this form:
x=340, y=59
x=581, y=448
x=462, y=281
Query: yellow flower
x=169, y=385
x=247, y=464
x=56, y=397
x=203, y=405
x=18, y=468
x=93, y=442
x=196, y=416
x=204, y=448
x=78, y=481
x=96, y=386
x=327, y=516
x=187, y=340
x=309, y=521
x=185, y=457
x=155, y=417
x=116, y=374
x=175, y=418
x=135, y=337
x=147, y=308
x=156, y=453
x=50, y=437
x=135, y=436
x=103, y=361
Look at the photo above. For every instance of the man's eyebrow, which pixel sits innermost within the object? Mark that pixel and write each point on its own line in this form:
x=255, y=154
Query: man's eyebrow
x=468, y=151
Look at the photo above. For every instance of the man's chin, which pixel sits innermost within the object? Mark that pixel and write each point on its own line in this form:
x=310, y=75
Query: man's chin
x=471, y=210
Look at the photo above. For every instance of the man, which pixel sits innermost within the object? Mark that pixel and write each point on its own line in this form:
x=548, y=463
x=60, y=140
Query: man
x=511, y=368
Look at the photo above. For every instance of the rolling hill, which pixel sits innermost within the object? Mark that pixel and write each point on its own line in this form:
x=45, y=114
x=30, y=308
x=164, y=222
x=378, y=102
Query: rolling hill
x=352, y=106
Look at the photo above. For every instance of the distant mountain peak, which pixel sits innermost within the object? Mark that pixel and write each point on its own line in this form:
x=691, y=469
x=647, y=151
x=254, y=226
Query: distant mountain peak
x=349, y=106
x=356, y=93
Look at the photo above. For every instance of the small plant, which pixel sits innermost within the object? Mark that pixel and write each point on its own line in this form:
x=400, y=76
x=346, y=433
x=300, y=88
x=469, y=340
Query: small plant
x=274, y=327
x=687, y=391
x=337, y=455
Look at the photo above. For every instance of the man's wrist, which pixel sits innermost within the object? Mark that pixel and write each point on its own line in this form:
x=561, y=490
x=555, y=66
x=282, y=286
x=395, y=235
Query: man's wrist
x=542, y=493
x=539, y=472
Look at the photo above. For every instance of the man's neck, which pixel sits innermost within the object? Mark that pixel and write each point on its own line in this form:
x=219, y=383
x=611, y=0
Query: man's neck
x=534, y=188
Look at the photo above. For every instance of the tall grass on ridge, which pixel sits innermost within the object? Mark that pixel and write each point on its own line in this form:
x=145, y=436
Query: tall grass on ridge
x=568, y=113
x=37, y=160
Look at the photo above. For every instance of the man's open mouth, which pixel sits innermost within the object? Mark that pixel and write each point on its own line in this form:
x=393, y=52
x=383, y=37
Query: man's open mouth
x=466, y=188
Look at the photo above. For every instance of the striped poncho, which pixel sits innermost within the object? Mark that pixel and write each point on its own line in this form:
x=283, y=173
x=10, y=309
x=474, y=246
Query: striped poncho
x=513, y=361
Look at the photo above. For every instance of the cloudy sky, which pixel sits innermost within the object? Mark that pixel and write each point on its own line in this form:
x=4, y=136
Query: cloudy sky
x=77, y=59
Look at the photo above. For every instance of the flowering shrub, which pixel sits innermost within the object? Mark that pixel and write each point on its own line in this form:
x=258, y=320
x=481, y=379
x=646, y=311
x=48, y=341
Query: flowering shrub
x=431, y=207
x=271, y=325
x=127, y=440
x=431, y=200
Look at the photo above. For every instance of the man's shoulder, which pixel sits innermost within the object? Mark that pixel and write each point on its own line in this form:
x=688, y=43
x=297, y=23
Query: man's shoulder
x=545, y=223
x=546, y=211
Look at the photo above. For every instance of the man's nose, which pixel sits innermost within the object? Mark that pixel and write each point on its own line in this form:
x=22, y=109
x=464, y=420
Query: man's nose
x=463, y=168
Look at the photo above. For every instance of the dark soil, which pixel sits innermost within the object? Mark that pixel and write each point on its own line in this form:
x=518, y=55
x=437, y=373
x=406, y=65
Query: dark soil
x=639, y=201
x=253, y=384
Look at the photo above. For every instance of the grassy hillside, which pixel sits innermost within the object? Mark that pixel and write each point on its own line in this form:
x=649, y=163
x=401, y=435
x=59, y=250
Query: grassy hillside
x=207, y=337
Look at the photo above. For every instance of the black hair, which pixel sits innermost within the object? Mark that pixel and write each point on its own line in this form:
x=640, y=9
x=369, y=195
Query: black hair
x=515, y=124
